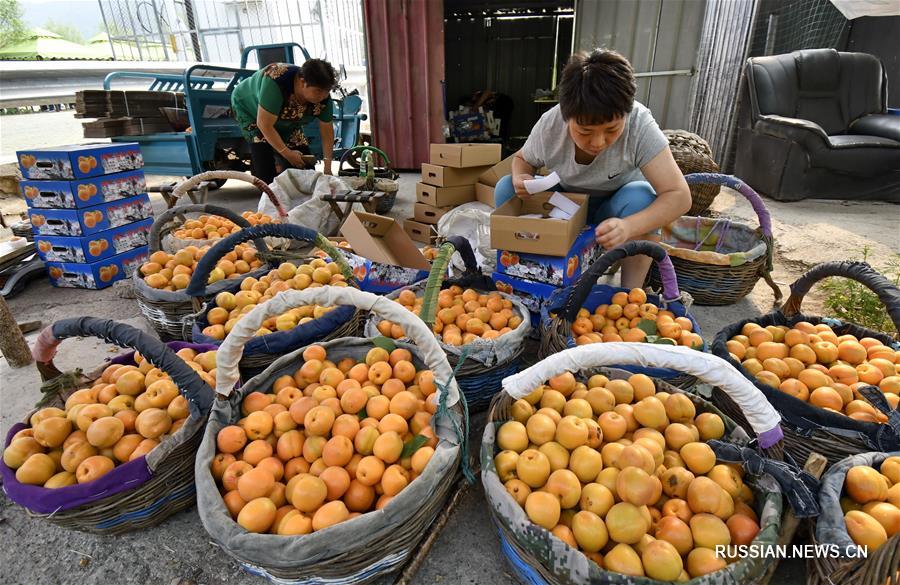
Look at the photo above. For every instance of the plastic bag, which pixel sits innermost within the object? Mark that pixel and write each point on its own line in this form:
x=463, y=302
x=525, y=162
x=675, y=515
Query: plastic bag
x=308, y=187
x=473, y=222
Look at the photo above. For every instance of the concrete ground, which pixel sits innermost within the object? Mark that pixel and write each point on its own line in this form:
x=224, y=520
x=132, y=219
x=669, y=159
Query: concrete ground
x=467, y=551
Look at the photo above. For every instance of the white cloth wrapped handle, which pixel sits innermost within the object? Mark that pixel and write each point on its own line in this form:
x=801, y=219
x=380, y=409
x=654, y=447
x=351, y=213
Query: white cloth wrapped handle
x=229, y=353
x=761, y=415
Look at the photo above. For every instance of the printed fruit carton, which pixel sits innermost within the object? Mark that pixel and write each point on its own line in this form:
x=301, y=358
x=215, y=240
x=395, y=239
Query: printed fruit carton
x=99, y=274
x=90, y=220
x=84, y=192
x=553, y=270
x=96, y=246
x=79, y=161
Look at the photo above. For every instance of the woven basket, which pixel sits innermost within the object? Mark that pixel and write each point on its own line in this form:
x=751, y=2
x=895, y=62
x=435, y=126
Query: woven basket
x=161, y=233
x=376, y=543
x=808, y=428
x=262, y=351
x=692, y=154
x=719, y=261
x=166, y=310
x=385, y=178
x=562, y=308
x=534, y=554
x=478, y=377
x=137, y=494
x=878, y=567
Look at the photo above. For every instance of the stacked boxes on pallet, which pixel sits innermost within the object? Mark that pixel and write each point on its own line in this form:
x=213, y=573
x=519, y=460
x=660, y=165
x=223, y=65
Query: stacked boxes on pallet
x=89, y=211
x=447, y=182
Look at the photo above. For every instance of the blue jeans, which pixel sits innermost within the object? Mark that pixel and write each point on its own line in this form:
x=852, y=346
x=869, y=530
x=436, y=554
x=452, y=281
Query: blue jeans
x=628, y=200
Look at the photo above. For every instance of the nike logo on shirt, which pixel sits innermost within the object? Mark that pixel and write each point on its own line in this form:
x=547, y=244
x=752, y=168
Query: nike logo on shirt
x=610, y=177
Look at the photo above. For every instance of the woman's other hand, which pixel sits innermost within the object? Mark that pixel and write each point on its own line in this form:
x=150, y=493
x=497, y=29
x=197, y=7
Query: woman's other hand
x=518, y=182
x=613, y=232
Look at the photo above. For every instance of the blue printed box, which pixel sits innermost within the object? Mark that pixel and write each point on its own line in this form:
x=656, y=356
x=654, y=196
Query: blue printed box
x=96, y=246
x=380, y=278
x=554, y=270
x=80, y=161
x=83, y=192
x=99, y=274
x=90, y=220
x=534, y=295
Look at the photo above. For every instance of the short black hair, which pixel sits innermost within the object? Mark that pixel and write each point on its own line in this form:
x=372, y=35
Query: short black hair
x=318, y=73
x=596, y=87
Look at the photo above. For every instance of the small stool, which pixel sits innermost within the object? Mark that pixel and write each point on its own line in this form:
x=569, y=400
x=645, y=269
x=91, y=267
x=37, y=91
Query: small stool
x=368, y=199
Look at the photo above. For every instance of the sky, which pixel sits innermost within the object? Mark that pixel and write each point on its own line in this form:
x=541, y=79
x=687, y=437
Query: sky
x=84, y=15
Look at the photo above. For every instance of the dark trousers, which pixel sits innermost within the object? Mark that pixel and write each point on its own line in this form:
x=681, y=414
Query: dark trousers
x=263, y=158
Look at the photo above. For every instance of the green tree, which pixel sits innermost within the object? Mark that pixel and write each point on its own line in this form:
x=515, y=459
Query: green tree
x=66, y=31
x=12, y=27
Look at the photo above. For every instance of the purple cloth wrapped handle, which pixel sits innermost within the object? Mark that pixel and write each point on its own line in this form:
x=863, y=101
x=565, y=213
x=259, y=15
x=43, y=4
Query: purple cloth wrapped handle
x=669, y=281
x=765, y=220
x=770, y=438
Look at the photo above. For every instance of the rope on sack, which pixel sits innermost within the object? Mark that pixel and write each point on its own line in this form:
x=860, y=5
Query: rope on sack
x=442, y=410
x=799, y=487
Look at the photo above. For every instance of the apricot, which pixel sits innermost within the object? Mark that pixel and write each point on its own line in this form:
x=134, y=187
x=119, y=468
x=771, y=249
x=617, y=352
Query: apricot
x=93, y=467
x=152, y=423
x=257, y=515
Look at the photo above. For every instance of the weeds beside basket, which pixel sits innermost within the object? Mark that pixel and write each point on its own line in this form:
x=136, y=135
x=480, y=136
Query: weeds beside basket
x=360, y=549
x=137, y=494
x=806, y=426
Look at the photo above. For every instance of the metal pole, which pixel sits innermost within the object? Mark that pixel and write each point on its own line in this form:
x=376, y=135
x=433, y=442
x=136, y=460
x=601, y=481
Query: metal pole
x=134, y=33
x=195, y=40
x=162, y=37
x=653, y=50
x=112, y=46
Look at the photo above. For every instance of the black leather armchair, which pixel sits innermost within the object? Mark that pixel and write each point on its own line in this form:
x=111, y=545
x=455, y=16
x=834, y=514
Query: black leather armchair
x=814, y=123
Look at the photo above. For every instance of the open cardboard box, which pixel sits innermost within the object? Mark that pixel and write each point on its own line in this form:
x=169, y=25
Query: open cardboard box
x=384, y=258
x=546, y=236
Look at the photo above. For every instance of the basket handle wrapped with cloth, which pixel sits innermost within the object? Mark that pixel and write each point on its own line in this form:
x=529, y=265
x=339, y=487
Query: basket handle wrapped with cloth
x=582, y=288
x=191, y=182
x=163, y=222
x=861, y=272
x=472, y=277
x=197, y=287
x=763, y=418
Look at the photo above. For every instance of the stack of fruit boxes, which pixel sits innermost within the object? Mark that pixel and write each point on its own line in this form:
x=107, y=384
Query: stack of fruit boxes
x=89, y=211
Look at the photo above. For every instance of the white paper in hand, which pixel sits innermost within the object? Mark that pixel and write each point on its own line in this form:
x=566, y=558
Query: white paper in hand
x=542, y=183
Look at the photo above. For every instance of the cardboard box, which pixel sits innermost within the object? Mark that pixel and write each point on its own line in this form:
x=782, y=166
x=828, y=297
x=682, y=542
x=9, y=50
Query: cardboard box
x=83, y=192
x=484, y=194
x=96, y=246
x=466, y=154
x=79, y=161
x=554, y=270
x=425, y=213
x=99, y=274
x=376, y=277
x=90, y=220
x=534, y=295
x=497, y=172
x=444, y=196
x=420, y=232
x=449, y=177
x=550, y=237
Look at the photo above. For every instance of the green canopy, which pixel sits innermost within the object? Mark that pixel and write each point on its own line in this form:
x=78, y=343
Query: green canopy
x=41, y=44
x=103, y=48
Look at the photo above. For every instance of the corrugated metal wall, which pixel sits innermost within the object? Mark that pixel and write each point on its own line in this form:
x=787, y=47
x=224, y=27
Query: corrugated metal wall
x=405, y=49
x=656, y=36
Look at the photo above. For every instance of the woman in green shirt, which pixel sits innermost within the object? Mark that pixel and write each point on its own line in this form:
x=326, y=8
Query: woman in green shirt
x=272, y=106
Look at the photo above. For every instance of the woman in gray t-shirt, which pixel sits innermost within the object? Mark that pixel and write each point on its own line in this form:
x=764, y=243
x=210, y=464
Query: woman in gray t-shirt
x=602, y=142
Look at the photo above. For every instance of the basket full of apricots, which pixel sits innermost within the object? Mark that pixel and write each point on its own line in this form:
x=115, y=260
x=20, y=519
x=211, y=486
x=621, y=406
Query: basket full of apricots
x=822, y=373
x=587, y=313
x=337, y=457
x=603, y=471
x=860, y=508
x=286, y=331
x=115, y=452
x=174, y=230
x=480, y=327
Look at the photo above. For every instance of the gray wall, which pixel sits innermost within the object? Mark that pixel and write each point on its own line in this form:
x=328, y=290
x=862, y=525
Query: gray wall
x=878, y=35
x=655, y=35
